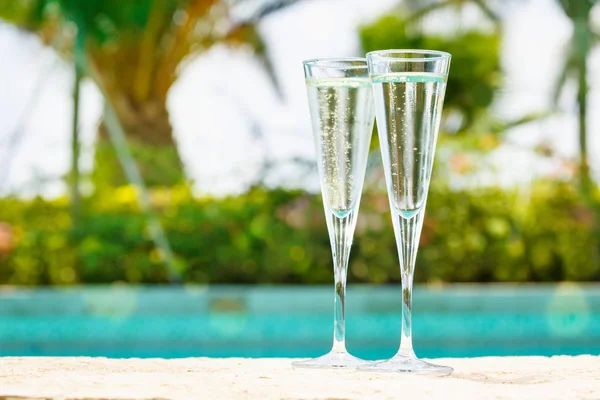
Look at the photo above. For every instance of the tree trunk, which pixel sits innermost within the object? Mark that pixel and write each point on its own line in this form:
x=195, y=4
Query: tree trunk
x=150, y=138
x=584, y=166
x=74, y=176
x=583, y=35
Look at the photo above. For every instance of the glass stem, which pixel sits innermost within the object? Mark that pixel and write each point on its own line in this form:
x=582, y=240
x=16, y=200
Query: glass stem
x=341, y=231
x=408, y=232
x=406, y=347
x=339, y=314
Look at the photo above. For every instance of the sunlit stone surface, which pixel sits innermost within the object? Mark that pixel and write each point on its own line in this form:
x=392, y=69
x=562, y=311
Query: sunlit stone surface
x=204, y=378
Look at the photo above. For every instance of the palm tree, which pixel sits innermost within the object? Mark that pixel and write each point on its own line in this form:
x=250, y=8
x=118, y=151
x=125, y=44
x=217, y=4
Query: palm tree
x=575, y=65
x=137, y=48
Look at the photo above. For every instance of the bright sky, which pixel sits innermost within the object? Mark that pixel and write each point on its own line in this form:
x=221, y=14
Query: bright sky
x=224, y=93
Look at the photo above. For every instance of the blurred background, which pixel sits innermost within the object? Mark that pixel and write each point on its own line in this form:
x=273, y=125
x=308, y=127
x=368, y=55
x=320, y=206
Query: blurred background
x=169, y=142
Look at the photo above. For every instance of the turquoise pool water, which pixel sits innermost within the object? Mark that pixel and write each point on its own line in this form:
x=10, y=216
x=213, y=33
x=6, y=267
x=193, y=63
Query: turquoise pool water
x=255, y=321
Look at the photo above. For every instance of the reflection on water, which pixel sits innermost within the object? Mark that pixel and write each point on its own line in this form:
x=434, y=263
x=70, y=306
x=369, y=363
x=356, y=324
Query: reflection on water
x=568, y=311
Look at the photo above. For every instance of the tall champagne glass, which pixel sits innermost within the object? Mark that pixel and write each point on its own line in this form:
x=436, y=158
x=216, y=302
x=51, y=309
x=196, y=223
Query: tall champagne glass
x=341, y=108
x=408, y=89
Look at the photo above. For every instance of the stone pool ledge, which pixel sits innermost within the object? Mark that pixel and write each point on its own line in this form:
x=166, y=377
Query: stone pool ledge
x=86, y=378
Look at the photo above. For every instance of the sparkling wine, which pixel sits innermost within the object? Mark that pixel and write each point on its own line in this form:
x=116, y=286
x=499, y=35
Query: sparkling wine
x=342, y=116
x=409, y=107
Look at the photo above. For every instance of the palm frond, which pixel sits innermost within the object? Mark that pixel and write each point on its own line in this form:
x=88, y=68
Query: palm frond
x=264, y=57
x=487, y=10
x=565, y=71
x=268, y=9
x=428, y=9
x=499, y=127
x=249, y=35
x=420, y=12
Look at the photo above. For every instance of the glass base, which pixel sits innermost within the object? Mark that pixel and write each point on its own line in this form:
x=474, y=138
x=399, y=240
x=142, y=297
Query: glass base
x=333, y=359
x=410, y=365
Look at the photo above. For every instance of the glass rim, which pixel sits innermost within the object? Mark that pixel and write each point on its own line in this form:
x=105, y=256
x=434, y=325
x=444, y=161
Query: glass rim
x=337, y=63
x=431, y=55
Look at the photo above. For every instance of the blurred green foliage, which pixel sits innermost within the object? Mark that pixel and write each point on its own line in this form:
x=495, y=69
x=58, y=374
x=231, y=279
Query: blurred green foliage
x=475, y=69
x=483, y=235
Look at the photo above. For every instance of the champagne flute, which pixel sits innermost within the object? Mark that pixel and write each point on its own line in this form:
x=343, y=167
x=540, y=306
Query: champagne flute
x=341, y=107
x=408, y=90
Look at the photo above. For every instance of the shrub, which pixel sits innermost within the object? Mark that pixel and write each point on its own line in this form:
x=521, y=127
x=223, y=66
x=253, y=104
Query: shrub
x=279, y=236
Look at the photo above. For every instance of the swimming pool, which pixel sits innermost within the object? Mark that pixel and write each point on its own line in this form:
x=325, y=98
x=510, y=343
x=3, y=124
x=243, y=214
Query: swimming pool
x=291, y=321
